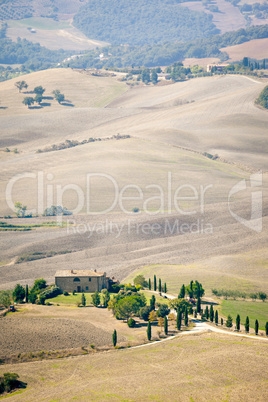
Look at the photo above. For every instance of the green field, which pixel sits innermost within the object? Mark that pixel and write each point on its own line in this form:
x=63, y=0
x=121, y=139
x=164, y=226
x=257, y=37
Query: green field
x=71, y=299
x=254, y=310
x=38, y=23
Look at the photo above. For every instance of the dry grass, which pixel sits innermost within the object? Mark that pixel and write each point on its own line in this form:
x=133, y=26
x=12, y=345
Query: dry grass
x=256, y=49
x=198, y=368
x=228, y=19
x=51, y=34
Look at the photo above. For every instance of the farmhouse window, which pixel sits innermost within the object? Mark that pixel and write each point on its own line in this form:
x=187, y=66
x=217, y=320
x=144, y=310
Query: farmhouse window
x=86, y=287
x=89, y=279
x=76, y=280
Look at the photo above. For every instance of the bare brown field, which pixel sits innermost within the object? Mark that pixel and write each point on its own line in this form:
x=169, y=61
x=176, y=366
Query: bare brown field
x=228, y=19
x=205, y=367
x=200, y=62
x=256, y=49
x=50, y=328
x=67, y=39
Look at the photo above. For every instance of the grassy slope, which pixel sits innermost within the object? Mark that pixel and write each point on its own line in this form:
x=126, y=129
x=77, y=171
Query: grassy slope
x=254, y=310
x=208, y=367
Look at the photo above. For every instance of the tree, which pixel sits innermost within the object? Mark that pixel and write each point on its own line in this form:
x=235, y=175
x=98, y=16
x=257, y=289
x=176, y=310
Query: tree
x=26, y=293
x=145, y=312
x=149, y=284
x=28, y=101
x=105, y=297
x=229, y=322
x=114, y=338
x=58, y=96
x=140, y=280
x=83, y=300
x=266, y=328
x=238, y=322
x=262, y=296
x=163, y=310
x=38, y=99
x=5, y=298
x=20, y=209
x=179, y=304
x=154, y=283
x=20, y=85
x=211, y=313
x=152, y=302
x=39, y=90
x=198, y=305
x=206, y=313
x=178, y=322
x=182, y=292
x=159, y=286
x=18, y=293
x=247, y=324
x=152, y=316
x=165, y=288
x=166, y=325
x=95, y=297
x=149, y=331
x=221, y=321
x=145, y=76
x=154, y=77
x=128, y=306
x=186, y=316
x=256, y=327
x=216, y=317
x=161, y=322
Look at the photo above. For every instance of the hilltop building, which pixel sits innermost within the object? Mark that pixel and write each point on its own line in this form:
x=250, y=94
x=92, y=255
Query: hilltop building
x=83, y=281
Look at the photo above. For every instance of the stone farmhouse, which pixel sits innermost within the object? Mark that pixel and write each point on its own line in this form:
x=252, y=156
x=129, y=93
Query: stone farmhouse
x=83, y=281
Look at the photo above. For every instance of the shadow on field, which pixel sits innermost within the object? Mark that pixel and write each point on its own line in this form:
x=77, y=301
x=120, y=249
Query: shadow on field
x=48, y=97
x=3, y=107
x=67, y=104
x=35, y=107
x=44, y=104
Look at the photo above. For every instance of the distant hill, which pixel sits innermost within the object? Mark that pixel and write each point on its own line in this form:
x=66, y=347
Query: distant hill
x=142, y=22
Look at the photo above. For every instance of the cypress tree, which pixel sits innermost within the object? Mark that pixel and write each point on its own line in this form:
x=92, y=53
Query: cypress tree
x=26, y=293
x=229, y=322
x=178, y=320
x=266, y=329
x=165, y=288
x=247, y=324
x=149, y=331
x=166, y=325
x=154, y=283
x=182, y=292
x=238, y=322
x=256, y=327
x=221, y=321
x=186, y=316
x=198, y=305
x=114, y=338
x=211, y=313
x=149, y=284
x=216, y=317
x=160, y=286
x=152, y=303
x=206, y=313
x=83, y=300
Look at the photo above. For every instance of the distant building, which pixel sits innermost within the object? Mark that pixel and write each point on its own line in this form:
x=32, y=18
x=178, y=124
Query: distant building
x=216, y=67
x=83, y=281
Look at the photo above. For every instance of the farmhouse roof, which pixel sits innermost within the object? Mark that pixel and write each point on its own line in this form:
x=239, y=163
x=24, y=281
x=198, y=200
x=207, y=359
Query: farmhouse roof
x=75, y=272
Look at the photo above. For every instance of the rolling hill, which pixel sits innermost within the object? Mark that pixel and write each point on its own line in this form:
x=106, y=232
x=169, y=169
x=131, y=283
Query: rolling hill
x=168, y=136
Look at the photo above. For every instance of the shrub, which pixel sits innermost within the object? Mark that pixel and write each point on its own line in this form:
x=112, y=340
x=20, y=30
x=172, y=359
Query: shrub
x=229, y=322
x=18, y=293
x=131, y=323
x=65, y=293
x=163, y=310
x=8, y=382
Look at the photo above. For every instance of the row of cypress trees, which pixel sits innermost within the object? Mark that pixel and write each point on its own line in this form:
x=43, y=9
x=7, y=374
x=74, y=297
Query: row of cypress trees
x=159, y=287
